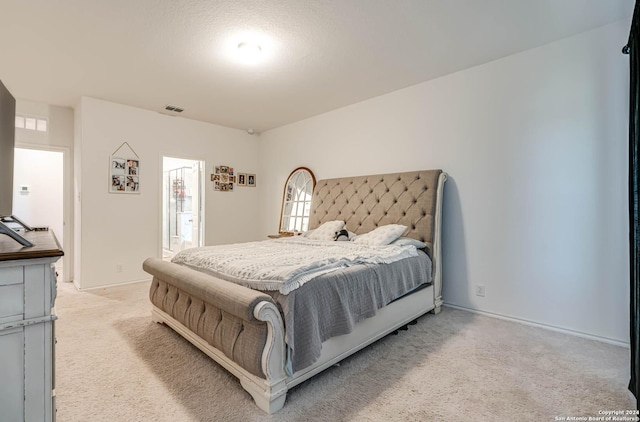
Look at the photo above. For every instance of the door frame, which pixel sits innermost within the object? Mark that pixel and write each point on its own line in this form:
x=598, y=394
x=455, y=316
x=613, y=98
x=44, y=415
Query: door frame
x=201, y=214
x=67, y=205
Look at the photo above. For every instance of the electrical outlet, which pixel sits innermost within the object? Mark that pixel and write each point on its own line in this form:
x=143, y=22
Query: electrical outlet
x=480, y=290
x=118, y=268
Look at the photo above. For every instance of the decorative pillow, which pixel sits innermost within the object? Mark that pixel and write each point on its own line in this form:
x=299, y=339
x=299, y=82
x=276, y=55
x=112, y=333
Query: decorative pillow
x=345, y=234
x=342, y=235
x=382, y=235
x=402, y=241
x=327, y=230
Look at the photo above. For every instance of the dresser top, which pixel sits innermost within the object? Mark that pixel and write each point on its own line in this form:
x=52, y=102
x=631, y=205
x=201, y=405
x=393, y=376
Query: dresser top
x=45, y=245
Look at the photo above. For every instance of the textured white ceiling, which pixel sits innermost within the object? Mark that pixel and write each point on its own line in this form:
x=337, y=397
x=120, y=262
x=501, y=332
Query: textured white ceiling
x=318, y=54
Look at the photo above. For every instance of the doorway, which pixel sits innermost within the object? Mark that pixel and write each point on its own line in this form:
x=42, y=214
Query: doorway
x=38, y=194
x=182, y=205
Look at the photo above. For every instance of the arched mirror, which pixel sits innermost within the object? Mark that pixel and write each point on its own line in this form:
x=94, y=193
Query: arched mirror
x=296, y=201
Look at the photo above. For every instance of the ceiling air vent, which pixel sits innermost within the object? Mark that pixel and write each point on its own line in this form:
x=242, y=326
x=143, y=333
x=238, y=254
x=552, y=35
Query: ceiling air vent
x=173, y=108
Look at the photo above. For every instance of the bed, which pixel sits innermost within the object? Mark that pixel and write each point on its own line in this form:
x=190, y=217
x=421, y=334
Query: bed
x=249, y=331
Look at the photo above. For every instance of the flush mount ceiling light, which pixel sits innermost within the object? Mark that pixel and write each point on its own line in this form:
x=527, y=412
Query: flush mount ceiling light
x=249, y=52
x=246, y=47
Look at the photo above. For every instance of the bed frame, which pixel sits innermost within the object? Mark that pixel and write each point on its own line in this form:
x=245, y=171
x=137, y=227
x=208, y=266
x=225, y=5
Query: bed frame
x=242, y=329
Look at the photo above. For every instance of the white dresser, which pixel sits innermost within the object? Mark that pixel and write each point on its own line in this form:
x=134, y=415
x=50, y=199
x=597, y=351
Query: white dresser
x=27, y=337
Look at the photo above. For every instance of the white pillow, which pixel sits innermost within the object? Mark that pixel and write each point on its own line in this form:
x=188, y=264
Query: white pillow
x=382, y=235
x=402, y=241
x=327, y=230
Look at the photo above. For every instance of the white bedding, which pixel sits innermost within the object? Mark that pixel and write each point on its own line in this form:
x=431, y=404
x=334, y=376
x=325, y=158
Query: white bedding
x=285, y=264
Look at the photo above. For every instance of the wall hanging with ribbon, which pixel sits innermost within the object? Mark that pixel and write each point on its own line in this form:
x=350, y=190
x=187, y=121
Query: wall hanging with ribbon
x=124, y=170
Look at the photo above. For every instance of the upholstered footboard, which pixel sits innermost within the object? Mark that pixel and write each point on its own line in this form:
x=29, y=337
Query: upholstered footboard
x=239, y=328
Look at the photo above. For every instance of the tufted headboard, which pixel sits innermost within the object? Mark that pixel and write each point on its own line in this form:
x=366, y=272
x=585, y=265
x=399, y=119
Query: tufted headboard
x=366, y=202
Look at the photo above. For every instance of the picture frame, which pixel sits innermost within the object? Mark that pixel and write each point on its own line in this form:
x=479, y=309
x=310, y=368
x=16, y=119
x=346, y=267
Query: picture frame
x=124, y=175
x=223, y=178
x=124, y=170
x=242, y=179
x=251, y=180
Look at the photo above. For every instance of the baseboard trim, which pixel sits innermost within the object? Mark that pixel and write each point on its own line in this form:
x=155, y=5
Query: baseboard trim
x=540, y=325
x=462, y=308
x=106, y=286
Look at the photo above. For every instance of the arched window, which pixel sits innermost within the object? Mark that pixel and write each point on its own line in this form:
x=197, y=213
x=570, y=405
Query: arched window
x=296, y=201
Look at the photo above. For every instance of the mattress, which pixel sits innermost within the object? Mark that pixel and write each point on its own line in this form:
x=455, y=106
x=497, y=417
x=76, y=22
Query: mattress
x=284, y=264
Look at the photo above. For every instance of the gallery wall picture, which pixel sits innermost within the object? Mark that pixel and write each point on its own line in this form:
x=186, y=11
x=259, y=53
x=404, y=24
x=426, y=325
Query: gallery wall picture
x=251, y=180
x=223, y=178
x=124, y=171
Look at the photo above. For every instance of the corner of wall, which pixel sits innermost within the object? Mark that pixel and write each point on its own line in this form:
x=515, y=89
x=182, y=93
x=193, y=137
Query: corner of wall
x=77, y=194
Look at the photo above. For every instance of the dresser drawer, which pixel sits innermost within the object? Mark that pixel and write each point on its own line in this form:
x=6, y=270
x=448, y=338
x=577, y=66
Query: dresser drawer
x=11, y=291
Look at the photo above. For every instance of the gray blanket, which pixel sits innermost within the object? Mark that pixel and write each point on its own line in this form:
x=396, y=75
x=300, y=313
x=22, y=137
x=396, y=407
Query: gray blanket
x=331, y=304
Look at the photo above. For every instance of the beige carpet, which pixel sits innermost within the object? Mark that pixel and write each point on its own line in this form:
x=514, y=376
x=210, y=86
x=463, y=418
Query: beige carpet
x=114, y=364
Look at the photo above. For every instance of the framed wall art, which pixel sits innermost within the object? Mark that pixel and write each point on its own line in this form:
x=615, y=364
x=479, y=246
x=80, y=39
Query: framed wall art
x=223, y=178
x=124, y=170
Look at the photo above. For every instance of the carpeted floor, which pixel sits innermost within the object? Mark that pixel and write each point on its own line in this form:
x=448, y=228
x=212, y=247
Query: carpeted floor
x=115, y=364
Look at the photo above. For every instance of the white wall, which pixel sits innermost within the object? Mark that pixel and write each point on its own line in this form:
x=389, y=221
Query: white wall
x=42, y=172
x=124, y=229
x=535, y=144
x=60, y=124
